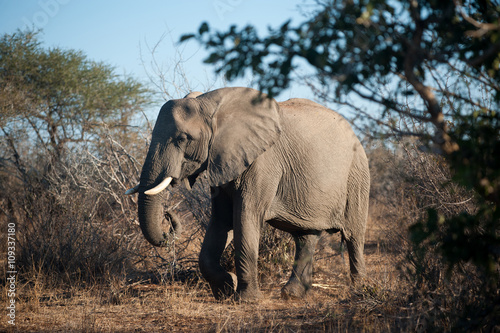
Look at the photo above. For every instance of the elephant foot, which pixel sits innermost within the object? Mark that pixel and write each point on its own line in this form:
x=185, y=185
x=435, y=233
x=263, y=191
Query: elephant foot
x=358, y=280
x=293, y=290
x=226, y=288
x=248, y=295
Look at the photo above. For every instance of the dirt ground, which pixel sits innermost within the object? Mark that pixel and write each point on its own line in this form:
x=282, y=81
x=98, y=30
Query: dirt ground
x=142, y=306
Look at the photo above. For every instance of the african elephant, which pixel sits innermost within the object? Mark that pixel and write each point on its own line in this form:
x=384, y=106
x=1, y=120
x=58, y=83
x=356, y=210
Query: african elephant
x=295, y=165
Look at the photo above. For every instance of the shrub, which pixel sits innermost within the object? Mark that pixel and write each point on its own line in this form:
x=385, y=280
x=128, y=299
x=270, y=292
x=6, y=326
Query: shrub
x=419, y=194
x=73, y=222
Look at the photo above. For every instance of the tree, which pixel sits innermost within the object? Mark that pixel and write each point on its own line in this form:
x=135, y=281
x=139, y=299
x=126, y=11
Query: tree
x=67, y=149
x=57, y=99
x=427, y=62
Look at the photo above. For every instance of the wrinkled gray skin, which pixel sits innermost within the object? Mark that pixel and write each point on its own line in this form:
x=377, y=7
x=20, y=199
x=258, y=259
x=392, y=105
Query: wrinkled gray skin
x=295, y=165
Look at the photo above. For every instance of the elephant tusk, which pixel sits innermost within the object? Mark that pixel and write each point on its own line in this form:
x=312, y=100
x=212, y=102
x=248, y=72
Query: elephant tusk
x=160, y=187
x=132, y=190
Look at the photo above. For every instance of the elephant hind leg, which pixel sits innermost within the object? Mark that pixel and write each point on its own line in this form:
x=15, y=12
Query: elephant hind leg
x=356, y=215
x=301, y=279
x=355, y=247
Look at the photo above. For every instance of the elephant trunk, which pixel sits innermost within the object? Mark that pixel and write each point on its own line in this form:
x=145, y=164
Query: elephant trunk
x=150, y=211
x=153, y=183
x=175, y=222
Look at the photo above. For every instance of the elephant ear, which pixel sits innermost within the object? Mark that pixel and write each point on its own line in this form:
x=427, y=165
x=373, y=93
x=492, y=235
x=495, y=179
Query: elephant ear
x=193, y=94
x=245, y=124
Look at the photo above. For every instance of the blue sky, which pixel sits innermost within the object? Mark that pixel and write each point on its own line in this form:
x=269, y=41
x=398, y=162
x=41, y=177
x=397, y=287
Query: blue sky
x=115, y=31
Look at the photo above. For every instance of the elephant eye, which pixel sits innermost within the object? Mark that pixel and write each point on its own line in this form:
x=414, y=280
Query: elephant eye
x=182, y=138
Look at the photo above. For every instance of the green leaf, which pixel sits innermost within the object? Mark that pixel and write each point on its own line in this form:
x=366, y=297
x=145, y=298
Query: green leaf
x=203, y=28
x=186, y=37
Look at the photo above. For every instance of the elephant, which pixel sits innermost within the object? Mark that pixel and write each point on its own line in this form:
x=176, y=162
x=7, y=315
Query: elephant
x=295, y=165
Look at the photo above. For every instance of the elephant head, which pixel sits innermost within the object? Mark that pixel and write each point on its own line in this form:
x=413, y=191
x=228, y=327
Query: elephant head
x=222, y=131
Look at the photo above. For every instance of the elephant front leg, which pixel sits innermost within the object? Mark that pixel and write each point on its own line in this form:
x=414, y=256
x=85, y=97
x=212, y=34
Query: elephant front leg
x=222, y=283
x=301, y=279
x=217, y=237
x=246, y=242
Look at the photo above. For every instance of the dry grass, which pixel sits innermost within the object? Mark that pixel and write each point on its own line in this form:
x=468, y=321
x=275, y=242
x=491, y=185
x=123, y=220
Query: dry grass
x=145, y=289
x=149, y=305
